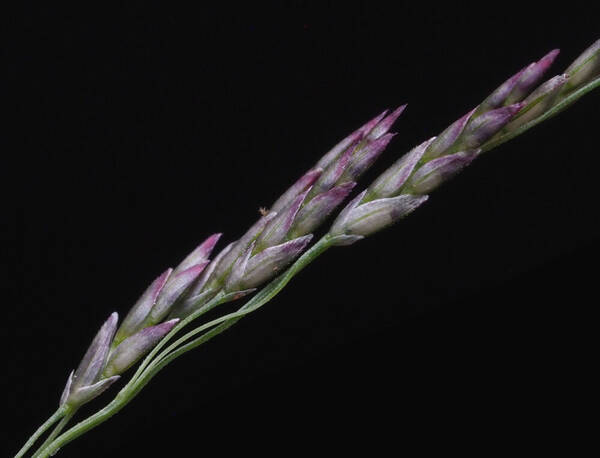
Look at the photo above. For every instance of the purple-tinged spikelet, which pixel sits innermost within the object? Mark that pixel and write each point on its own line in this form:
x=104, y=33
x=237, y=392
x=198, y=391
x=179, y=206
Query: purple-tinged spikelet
x=136, y=346
x=447, y=139
x=269, y=262
x=390, y=182
x=355, y=136
x=365, y=157
x=539, y=101
x=234, y=281
x=334, y=172
x=484, y=127
x=386, y=124
x=80, y=385
x=439, y=170
x=319, y=208
x=199, y=284
x=498, y=98
x=304, y=183
x=173, y=290
x=199, y=255
x=370, y=217
x=191, y=303
x=93, y=362
x=530, y=77
x=134, y=320
x=278, y=228
x=340, y=221
x=85, y=393
x=225, y=264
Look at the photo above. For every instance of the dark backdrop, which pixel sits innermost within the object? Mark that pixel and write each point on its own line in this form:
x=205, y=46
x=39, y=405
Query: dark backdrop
x=141, y=130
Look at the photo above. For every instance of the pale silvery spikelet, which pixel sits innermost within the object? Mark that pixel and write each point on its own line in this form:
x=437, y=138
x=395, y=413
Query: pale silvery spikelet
x=84, y=384
x=585, y=68
x=135, y=347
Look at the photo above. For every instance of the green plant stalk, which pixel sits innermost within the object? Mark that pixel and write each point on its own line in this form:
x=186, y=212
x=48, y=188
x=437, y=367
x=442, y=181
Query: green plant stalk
x=60, y=413
x=63, y=422
x=150, y=369
x=218, y=299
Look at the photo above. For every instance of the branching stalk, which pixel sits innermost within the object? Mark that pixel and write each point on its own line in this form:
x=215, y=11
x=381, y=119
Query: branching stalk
x=56, y=416
x=278, y=240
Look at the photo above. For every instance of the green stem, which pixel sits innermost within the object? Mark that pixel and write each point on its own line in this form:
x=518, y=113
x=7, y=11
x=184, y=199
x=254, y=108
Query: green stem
x=56, y=431
x=144, y=375
x=160, y=364
x=60, y=412
x=218, y=299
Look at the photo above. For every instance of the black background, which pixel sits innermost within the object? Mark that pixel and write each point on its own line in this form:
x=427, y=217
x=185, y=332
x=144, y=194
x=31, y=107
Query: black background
x=138, y=131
